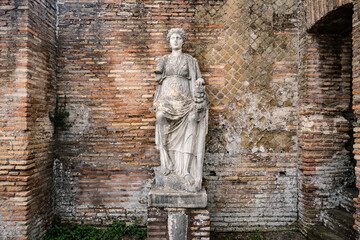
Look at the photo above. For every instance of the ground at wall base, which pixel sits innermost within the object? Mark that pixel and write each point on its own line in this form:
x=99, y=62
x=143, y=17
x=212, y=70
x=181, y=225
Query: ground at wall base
x=284, y=235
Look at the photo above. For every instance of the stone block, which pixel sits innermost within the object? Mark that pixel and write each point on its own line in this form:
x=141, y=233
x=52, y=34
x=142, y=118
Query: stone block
x=178, y=225
x=164, y=197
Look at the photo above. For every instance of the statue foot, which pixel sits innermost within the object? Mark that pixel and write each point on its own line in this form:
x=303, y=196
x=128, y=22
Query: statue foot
x=189, y=179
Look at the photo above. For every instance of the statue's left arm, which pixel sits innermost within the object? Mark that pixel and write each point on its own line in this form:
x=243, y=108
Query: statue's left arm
x=201, y=98
x=198, y=73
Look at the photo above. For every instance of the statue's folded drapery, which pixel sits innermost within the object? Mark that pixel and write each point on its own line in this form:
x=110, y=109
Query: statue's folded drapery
x=181, y=124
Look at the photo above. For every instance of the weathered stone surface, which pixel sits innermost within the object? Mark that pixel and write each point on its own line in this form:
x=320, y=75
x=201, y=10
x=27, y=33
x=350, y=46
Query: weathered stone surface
x=162, y=197
x=178, y=225
x=181, y=106
x=172, y=181
x=250, y=166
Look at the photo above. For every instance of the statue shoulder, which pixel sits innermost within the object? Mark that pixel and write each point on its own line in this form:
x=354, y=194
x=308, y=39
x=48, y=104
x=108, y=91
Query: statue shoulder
x=162, y=58
x=191, y=60
x=189, y=57
x=160, y=64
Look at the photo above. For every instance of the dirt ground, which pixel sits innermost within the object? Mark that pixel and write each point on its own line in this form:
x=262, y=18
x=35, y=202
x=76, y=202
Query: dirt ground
x=285, y=235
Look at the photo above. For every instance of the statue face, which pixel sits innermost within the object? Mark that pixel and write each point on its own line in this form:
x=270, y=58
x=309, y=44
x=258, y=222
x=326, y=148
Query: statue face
x=176, y=41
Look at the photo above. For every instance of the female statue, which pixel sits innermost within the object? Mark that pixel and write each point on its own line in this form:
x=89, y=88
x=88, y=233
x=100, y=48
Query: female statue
x=181, y=106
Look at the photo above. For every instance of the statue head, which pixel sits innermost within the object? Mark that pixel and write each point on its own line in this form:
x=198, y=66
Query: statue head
x=179, y=31
x=176, y=38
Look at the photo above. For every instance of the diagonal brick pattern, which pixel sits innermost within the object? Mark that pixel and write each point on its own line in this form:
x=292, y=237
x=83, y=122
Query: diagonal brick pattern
x=252, y=153
x=259, y=64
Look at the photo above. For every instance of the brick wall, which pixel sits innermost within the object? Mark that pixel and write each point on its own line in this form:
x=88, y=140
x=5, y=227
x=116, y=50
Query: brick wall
x=356, y=102
x=328, y=110
x=317, y=9
x=12, y=123
x=41, y=90
x=326, y=119
x=107, y=53
x=251, y=158
x=27, y=92
x=247, y=52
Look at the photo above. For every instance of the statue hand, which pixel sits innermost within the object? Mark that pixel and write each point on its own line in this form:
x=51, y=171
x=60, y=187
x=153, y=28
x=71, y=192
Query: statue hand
x=199, y=82
x=199, y=91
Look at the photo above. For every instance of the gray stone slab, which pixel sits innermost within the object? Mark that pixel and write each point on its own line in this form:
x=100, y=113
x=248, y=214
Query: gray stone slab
x=162, y=197
x=177, y=225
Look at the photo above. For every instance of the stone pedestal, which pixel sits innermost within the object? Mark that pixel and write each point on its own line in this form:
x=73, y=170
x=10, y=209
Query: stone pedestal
x=177, y=215
x=173, y=181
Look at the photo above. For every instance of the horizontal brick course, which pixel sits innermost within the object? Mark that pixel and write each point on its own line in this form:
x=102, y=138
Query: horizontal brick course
x=27, y=94
x=326, y=116
x=356, y=103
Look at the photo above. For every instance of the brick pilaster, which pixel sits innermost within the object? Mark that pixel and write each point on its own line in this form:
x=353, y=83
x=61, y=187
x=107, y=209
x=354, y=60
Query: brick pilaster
x=356, y=103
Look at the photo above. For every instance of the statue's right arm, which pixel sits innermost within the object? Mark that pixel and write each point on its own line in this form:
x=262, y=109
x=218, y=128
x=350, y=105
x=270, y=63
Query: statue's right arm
x=159, y=70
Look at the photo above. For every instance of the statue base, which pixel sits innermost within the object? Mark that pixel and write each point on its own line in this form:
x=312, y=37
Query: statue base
x=177, y=215
x=173, y=181
x=165, y=197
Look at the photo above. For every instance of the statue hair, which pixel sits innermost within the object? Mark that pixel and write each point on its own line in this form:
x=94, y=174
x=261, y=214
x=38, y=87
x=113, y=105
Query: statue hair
x=179, y=31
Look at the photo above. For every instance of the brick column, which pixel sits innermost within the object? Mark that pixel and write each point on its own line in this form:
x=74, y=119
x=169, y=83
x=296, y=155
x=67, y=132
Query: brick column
x=356, y=103
x=325, y=165
x=27, y=95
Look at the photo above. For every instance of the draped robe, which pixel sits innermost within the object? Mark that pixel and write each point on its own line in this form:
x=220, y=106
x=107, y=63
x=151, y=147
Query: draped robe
x=174, y=97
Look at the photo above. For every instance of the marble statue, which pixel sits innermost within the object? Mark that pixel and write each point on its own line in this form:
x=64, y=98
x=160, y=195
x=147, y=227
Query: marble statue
x=181, y=106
